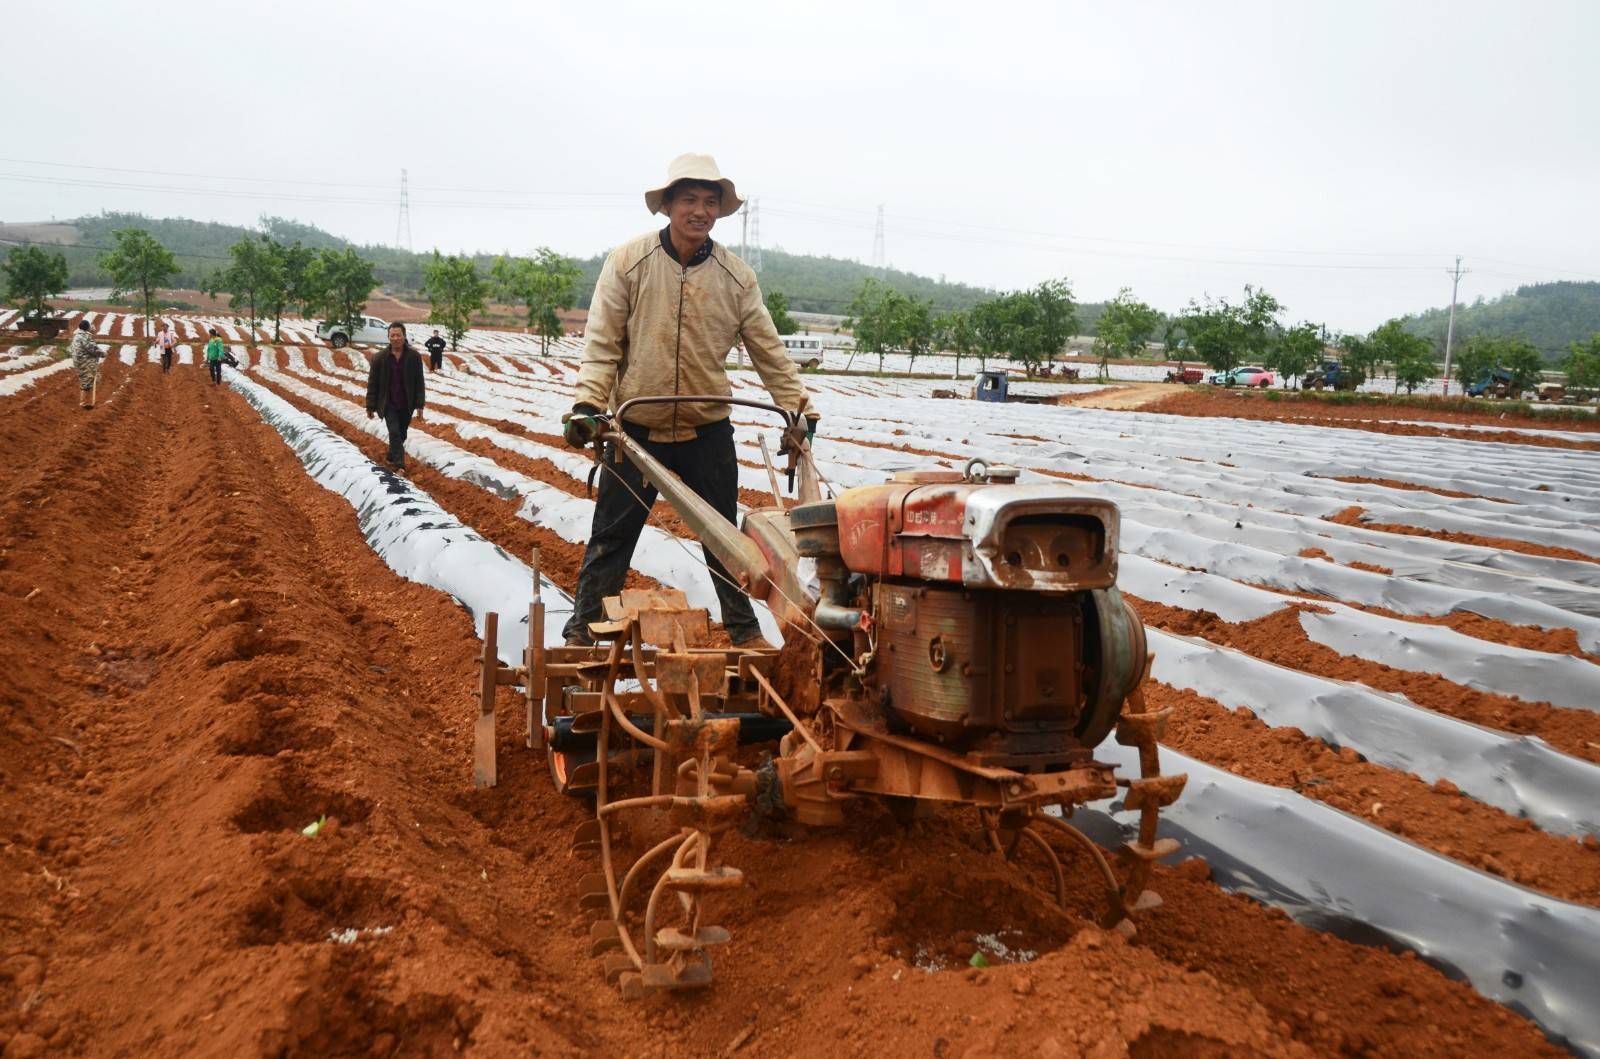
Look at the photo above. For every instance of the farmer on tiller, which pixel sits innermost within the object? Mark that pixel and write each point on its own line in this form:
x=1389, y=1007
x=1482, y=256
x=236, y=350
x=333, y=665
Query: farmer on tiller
x=666, y=310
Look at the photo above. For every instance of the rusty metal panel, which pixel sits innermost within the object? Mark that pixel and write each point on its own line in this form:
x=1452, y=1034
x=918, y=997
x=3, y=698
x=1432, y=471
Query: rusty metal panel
x=935, y=657
x=659, y=626
x=674, y=670
x=960, y=663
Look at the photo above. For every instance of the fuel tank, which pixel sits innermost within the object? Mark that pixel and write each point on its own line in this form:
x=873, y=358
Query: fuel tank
x=937, y=527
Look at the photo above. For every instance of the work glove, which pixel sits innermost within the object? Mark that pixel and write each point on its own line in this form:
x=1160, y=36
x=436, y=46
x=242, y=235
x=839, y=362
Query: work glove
x=579, y=426
x=804, y=430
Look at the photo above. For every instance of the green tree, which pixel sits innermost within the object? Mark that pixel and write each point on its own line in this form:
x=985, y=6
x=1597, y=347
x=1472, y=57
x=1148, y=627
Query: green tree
x=547, y=283
x=1524, y=363
x=1357, y=356
x=778, y=307
x=339, y=282
x=1414, y=365
x=874, y=319
x=34, y=274
x=1174, y=340
x=253, y=277
x=993, y=324
x=455, y=291
x=1040, y=322
x=1475, y=359
x=1582, y=364
x=297, y=289
x=1409, y=356
x=1224, y=335
x=137, y=262
x=954, y=332
x=1482, y=354
x=1297, y=350
x=1124, y=329
x=914, y=326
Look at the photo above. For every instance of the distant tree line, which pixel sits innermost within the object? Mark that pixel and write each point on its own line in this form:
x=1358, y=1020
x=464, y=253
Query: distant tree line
x=1548, y=316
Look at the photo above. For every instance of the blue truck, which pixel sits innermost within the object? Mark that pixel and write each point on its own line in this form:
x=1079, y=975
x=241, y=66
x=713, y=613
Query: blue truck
x=1494, y=383
x=1331, y=375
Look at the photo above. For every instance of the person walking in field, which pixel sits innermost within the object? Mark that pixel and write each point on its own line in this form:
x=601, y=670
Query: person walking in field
x=396, y=391
x=86, y=362
x=166, y=342
x=215, y=351
x=435, y=351
x=667, y=308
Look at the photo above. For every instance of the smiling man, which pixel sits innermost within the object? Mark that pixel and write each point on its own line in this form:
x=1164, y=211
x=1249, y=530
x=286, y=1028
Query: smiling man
x=667, y=308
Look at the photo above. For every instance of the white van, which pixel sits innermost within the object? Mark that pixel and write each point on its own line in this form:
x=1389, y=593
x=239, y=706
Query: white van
x=804, y=350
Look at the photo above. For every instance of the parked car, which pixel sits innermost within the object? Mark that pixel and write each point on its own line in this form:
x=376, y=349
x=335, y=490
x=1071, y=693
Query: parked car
x=804, y=350
x=1243, y=377
x=370, y=329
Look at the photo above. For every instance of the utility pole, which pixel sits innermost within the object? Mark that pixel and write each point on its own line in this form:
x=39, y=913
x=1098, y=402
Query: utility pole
x=1455, y=275
x=879, y=258
x=754, y=260
x=402, y=226
x=744, y=232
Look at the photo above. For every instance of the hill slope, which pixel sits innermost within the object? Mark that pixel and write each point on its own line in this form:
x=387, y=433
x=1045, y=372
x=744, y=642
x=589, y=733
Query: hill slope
x=812, y=284
x=1549, y=315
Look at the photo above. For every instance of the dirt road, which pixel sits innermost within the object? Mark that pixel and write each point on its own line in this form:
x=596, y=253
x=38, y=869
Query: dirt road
x=215, y=660
x=1125, y=396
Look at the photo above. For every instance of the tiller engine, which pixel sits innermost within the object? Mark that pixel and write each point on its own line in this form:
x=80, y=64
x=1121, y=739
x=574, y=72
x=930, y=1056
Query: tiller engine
x=951, y=638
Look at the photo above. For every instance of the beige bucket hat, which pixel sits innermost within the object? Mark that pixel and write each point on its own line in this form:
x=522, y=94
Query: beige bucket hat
x=695, y=167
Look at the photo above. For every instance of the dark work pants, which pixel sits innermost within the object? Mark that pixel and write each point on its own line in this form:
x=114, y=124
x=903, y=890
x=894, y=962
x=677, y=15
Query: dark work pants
x=398, y=421
x=166, y=361
x=435, y=361
x=216, y=371
x=706, y=465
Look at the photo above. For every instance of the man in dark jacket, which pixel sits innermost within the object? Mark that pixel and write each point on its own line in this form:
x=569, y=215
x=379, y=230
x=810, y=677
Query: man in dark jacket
x=395, y=390
x=435, y=351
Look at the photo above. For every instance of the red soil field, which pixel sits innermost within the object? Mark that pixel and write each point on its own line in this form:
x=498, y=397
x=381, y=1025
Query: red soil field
x=214, y=658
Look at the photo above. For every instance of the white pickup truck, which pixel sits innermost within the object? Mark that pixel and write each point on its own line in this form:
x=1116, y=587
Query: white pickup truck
x=370, y=330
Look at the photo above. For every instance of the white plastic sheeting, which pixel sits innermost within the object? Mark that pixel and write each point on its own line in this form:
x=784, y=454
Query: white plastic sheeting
x=1535, y=676
x=413, y=535
x=22, y=363
x=1333, y=872
x=1243, y=563
x=1521, y=775
x=23, y=379
x=659, y=555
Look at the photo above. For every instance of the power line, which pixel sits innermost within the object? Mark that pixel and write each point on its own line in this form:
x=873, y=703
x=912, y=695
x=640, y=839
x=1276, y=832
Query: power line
x=307, y=183
x=1054, y=248
x=283, y=197
x=1106, y=239
x=591, y=194
x=1541, y=268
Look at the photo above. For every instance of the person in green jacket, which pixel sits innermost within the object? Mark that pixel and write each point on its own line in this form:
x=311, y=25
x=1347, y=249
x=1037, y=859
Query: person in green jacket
x=214, y=354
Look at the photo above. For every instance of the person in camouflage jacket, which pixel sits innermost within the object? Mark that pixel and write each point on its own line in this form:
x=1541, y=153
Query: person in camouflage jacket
x=86, y=362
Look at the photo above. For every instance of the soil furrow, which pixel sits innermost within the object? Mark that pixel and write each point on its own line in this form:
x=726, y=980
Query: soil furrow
x=1351, y=516
x=491, y=516
x=1435, y=815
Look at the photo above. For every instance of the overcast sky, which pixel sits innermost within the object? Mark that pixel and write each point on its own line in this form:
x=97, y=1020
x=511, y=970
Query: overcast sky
x=1337, y=153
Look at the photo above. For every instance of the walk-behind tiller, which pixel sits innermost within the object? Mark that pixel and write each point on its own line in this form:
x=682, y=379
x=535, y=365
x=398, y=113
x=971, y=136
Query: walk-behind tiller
x=950, y=638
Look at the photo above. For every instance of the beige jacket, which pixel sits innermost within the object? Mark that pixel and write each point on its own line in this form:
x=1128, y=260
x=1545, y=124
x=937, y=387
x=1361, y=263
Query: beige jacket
x=658, y=328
